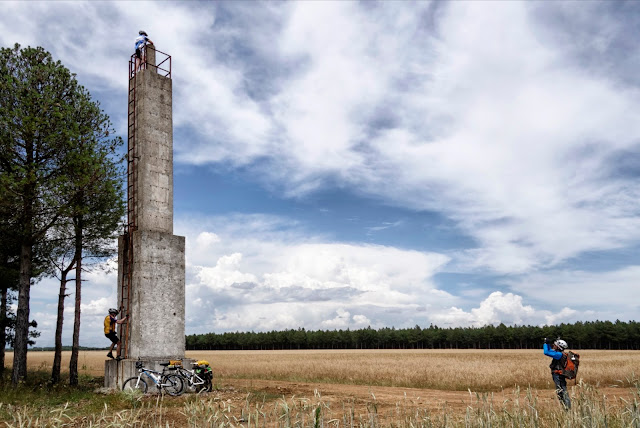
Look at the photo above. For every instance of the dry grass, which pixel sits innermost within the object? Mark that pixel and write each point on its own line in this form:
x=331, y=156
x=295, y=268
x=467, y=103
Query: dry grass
x=518, y=409
x=461, y=370
x=510, y=388
x=478, y=370
x=89, y=362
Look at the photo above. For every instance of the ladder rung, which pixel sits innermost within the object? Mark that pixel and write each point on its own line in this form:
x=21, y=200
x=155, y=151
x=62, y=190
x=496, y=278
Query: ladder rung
x=131, y=203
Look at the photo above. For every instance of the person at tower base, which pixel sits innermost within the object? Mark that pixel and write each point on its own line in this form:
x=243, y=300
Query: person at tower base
x=555, y=350
x=141, y=42
x=110, y=322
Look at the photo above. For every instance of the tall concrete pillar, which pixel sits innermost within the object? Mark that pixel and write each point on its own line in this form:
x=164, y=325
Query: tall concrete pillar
x=156, y=297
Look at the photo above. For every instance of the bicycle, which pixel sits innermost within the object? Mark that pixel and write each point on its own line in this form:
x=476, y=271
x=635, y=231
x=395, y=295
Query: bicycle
x=172, y=383
x=199, y=378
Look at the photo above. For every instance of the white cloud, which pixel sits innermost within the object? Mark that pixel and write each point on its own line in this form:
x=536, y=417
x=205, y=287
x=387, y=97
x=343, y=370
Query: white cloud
x=521, y=160
x=615, y=292
x=361, y=321
x=499, y=308
x=470, y=113
x=225, y=273
x=97, y=307
x=453, y=317
x=255, y=274
x=264, y=275
x=562, y=316
x=453, y=118
x=206, y=239
x=340, y=321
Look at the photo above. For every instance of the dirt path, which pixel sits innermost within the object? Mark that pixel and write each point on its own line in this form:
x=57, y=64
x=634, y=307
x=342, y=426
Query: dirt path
x=386, y=399
x=359, y=394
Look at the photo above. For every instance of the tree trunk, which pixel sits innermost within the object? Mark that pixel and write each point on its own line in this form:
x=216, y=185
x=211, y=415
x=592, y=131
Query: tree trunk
x=3, y=327
x=21, y=329
x=75, y=347
x=22, y=316
x=57, y=357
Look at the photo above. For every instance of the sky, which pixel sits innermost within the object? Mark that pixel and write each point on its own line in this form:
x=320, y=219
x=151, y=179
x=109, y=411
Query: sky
x=386, y=164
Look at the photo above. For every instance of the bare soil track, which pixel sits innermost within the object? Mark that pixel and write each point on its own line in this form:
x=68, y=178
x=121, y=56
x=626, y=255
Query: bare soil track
x=385, y=398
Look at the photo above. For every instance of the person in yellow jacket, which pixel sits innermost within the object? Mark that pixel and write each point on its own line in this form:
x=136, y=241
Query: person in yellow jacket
x=110, y=322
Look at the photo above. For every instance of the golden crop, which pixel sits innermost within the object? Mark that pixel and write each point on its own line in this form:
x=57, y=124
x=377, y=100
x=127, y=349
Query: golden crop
x=477, y=370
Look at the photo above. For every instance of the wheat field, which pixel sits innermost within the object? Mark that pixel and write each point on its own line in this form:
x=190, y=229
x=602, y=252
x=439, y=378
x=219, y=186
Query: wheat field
x=347, y=388
x=461, y=370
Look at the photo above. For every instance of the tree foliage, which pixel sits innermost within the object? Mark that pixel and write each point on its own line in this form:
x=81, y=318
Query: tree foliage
x=54, y=150
x=581, y=335
x=96, y=214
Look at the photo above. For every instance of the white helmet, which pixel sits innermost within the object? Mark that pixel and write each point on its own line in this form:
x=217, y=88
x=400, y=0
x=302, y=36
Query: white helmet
x=561, y=344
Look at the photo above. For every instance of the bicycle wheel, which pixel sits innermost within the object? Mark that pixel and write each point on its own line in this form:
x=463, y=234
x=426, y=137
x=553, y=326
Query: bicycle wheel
x=135, y=384
x=172, y=384
x=207, y=385
x=187, y=380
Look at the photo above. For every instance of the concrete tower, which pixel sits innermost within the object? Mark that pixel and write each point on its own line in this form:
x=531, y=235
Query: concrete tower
x=151, y=259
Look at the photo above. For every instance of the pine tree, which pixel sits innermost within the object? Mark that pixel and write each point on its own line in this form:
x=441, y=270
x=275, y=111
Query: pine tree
x=47, y=122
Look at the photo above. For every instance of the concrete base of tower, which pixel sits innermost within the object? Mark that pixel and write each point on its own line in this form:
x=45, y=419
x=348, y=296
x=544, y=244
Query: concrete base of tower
x=155, y=329
x=116, y=372
x=156, y=300
x=157, y=308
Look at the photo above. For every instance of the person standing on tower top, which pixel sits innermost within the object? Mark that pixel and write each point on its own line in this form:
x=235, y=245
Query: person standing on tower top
x=141, y=42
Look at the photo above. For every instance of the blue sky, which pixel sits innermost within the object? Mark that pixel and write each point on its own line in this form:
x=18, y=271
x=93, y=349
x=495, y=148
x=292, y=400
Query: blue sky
x=346, y=164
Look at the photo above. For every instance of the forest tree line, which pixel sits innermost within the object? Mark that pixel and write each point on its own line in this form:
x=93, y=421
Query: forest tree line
x=616, y=335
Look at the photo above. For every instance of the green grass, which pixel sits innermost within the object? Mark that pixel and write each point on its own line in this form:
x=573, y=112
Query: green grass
x=40, y=396
x=37, y=403
x=38, y=391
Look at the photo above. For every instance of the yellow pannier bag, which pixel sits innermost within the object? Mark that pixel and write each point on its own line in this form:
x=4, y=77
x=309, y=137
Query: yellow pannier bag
x=203, y=363
x=175, y=362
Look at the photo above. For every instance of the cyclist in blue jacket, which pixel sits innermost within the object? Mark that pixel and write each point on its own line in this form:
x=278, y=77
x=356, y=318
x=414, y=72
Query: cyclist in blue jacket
x=554, y=349
x=141, y=42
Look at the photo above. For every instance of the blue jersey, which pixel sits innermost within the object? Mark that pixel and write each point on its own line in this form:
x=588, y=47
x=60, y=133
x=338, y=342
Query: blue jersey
x=556, y=363
x=556, y=355
x=141, y=41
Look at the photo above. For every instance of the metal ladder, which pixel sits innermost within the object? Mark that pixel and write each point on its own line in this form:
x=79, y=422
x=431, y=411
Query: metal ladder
x=128, y=256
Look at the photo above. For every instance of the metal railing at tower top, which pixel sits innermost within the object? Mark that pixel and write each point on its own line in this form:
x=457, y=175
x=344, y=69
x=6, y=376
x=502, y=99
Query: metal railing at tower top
x=162, y=61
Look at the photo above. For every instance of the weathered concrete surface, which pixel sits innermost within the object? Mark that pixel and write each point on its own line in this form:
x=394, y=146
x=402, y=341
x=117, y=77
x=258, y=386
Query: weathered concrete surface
x=150, y=53
x=158, y=296
x=156, y=310
x=154, y=152
x=116, y=372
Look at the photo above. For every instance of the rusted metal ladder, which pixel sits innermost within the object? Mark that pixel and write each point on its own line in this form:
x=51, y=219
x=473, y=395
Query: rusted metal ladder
x=128, y=255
